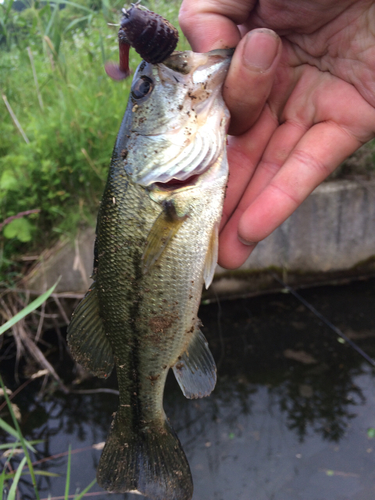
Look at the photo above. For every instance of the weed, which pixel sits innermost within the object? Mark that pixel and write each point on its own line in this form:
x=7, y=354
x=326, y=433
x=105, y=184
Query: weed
x=52, y=75
x=10, y=472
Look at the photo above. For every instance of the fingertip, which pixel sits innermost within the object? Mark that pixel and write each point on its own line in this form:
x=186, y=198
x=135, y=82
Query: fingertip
x=247, y=233
x=235, y=256
x=232, y=251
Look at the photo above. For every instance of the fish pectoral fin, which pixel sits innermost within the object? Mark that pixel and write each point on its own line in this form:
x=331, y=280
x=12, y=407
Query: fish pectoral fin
x=164, y=228
x=195, y=370
x=211, y=257
x=87, y=339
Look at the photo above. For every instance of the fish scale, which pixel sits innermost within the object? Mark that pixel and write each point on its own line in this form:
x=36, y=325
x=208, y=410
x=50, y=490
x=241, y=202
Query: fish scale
x=156, y=245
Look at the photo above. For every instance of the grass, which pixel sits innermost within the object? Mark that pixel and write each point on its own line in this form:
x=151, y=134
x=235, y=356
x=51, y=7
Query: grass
x=11, y=472
x=27, y=310
x=60, y=114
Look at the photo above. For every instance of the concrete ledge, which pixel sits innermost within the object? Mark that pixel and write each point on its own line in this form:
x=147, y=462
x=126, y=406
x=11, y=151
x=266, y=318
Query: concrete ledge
x=331, y=237
x=334, y=229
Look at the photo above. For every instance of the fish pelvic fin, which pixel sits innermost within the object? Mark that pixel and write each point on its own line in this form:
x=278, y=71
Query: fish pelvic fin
x=195, y=370
x=87, y=340
x=164, y=228
x=150, y=461
x=211, y=257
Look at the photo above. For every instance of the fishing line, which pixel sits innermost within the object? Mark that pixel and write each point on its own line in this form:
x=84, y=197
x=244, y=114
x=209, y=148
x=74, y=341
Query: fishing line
x=221, y=339
x=324, y=319
x=96, y=391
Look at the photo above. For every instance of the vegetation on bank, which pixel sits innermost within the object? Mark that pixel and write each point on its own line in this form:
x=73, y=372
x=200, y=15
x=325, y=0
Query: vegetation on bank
x=60, y=114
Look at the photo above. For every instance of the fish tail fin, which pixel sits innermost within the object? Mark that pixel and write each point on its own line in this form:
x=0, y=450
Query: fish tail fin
x=150, y=461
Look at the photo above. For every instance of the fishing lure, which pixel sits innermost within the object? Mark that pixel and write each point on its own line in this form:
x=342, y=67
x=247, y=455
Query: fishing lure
x=152, y=36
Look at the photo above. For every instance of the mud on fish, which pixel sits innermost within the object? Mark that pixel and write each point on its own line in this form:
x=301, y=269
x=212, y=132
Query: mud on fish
x=156, y=244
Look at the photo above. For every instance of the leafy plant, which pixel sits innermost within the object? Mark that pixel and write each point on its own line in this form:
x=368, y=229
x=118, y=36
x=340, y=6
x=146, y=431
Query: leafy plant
x=52, y=76
x=5, y=17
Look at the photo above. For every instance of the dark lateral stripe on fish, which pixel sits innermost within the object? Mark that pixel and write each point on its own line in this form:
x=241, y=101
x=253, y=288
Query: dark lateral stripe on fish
x=134, y=355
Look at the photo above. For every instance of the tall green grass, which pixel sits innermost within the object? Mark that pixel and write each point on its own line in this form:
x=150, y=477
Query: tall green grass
x=52, y=76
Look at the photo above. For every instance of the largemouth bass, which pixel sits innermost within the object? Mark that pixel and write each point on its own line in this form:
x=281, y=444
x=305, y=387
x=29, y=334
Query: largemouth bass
x=157, y=243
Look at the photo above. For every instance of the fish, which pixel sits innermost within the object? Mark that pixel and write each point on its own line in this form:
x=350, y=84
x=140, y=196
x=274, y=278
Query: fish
x=156, y=245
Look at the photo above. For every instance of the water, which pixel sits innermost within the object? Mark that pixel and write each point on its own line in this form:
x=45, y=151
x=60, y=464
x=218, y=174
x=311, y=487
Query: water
x=290, y=418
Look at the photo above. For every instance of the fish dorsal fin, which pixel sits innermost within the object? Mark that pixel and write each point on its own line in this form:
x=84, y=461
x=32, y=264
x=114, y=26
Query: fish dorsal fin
x=87, y=339
x=164, y=228
x=195, y=369
x=211, y=257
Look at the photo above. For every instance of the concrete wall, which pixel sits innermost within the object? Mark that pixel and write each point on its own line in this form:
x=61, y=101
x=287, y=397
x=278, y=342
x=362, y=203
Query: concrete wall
x=333, y=229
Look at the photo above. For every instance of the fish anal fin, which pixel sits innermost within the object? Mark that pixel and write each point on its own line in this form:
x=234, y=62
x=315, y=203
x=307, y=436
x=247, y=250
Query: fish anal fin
x=164, y=228
x=195, y=369
x=211, y=256
x=87, y=339
x=149, y=461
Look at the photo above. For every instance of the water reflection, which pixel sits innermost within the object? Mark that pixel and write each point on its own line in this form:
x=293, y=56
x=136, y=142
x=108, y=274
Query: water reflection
x=317, y=401
x=280, y=344
x=288, y=419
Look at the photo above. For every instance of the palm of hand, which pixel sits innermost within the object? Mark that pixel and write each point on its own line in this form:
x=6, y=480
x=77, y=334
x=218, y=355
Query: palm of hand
x=320, y=109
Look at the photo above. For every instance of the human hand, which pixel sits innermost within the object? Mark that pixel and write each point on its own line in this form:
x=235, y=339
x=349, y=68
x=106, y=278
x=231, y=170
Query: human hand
x=300, y=104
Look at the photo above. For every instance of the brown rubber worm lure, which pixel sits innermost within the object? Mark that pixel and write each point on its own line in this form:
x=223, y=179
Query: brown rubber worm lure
x=153, y=38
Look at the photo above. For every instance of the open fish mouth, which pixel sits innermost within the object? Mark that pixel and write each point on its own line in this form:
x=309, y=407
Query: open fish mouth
x=173, y=184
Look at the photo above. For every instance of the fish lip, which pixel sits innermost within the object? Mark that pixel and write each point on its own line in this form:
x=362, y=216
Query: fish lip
x=179, y=61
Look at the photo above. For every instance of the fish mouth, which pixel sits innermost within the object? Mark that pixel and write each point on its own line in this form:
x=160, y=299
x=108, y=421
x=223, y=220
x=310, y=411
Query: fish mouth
x=174, y=184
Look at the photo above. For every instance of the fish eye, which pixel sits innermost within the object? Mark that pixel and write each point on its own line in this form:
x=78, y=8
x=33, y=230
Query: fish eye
x=142, y=87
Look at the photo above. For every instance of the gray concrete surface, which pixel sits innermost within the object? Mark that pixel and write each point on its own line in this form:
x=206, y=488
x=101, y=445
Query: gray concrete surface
x=332, y=230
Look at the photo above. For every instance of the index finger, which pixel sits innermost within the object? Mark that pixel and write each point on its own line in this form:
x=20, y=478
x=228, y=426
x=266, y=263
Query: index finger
x=213, y=24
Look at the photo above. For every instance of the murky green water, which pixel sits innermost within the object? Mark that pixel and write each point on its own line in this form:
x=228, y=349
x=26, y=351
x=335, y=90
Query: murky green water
x=290, y=419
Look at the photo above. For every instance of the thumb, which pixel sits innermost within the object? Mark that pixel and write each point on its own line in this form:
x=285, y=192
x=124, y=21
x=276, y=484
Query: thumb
x=250, y=77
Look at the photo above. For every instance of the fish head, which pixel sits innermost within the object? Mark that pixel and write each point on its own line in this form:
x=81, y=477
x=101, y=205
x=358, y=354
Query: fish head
x=175, y=124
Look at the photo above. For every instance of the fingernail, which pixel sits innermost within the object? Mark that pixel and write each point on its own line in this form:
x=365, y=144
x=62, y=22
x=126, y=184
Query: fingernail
x=260, y=49
x=247, y=243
